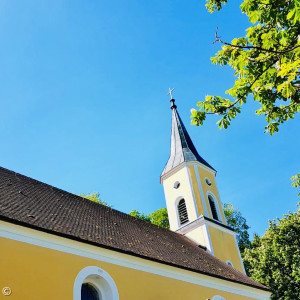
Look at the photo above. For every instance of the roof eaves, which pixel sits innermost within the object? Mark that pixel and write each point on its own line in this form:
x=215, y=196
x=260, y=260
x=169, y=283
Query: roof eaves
x=16, y=222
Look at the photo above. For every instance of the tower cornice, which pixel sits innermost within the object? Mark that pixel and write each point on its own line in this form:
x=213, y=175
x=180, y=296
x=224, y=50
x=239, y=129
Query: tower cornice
x=186, y=164
x=204, y=220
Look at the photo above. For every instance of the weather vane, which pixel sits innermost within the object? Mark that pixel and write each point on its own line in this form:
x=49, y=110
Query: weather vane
x=170, y=92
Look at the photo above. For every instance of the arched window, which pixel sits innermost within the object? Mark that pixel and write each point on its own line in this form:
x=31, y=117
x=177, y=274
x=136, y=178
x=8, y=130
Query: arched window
x=213, y=208
x=93, y=283
x=88, y=292
x=229, y=263
x=182, y=212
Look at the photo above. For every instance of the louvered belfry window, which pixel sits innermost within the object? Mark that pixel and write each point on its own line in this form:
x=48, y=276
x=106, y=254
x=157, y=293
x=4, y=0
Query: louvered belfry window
x=213, y=208
x=182, y=212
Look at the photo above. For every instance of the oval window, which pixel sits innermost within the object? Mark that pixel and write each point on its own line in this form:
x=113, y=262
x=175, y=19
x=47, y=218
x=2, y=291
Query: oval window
x=176, y=185
x=208, y=182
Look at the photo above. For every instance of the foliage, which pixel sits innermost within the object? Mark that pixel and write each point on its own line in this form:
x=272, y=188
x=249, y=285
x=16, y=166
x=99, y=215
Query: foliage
x=238, y=223
x=274, y=259
x=158, y=217
x=296, y=181
x=139, y=215
x=95, y=197
x=213, y=5
x=266, y=62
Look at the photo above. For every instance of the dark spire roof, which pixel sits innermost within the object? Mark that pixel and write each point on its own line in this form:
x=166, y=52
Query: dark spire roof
x=182, y=147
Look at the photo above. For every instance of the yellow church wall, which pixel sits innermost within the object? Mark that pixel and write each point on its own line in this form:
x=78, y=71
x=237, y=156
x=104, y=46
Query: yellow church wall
x=34, y=272
x=173, y=195
x=224, y=247
x=213, y=188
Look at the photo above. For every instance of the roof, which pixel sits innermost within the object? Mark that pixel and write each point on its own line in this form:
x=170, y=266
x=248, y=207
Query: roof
x=182, y=147
x=27, y=202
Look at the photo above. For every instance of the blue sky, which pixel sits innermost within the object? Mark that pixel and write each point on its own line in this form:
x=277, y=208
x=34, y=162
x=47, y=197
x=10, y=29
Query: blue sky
x=84, y=108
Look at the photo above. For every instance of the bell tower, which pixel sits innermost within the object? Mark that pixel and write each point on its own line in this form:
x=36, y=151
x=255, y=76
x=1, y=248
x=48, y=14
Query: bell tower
x=192, y=198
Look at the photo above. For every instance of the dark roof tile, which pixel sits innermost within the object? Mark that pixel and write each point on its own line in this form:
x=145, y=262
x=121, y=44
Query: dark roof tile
x=34, y=204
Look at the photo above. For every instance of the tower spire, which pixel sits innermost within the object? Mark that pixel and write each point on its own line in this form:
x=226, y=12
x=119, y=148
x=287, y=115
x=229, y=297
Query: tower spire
x=170, y=93
x=193, y=202
x=173, y=105
x=182, y=147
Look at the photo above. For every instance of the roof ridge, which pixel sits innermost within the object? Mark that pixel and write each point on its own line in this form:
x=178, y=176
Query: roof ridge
x=30, y=179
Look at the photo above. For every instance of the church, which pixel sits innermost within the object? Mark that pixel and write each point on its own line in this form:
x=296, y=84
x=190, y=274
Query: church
x=56, y=245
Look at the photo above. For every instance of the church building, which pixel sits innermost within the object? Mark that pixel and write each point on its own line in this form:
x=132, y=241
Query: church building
x=56, y=245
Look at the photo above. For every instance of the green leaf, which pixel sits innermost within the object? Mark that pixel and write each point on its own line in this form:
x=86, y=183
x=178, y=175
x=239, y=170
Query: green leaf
x=291, y=14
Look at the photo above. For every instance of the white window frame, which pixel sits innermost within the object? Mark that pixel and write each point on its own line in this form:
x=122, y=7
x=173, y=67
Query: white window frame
x=178, y=199
x=99, y=279
x=209, y=193
x=229, y=263
x=217, y=297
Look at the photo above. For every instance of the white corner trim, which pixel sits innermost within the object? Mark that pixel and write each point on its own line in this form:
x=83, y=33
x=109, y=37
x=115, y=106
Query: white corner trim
x=170, y=209
x=238, y=250
x=192, y=192
x=207, y=239
x=53, y=242
x=100, y=279
x=201, y=192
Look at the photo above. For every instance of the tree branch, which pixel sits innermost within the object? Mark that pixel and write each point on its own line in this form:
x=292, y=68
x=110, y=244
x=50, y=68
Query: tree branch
x=244, y=94
x=252, y=47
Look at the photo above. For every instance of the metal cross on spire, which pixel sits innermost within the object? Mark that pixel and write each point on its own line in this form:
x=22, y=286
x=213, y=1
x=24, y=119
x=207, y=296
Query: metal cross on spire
x=170, y=92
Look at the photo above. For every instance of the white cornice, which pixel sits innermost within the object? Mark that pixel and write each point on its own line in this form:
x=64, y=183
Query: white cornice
x=202, y=166
x=201, y=221
x=172, y=171
x=183, y=164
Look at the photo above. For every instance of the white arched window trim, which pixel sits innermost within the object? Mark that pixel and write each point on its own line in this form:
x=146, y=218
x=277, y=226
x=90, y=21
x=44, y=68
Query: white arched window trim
x=176, y=210
x=100, y=279
x=214, y=198
x=229, y=263
x=218, y=298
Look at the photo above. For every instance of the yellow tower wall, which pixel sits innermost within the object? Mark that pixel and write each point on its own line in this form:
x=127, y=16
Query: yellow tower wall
x=225, y=247
x=213, y=189
x=195, y=191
